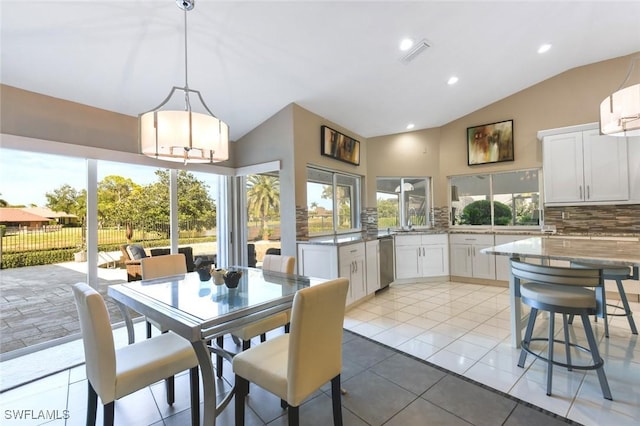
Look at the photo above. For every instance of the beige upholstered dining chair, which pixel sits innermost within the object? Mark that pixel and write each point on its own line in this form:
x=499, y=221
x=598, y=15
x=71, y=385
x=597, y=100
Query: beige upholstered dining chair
x=294, y=365
x=114, y=373
x=158, y=267
x=271, y=262
x=163, y=266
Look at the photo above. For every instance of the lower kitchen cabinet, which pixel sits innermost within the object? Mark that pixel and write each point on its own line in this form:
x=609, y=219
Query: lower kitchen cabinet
x=421, y=256
x=351, y=259
x=466, y=259
x=331, y=261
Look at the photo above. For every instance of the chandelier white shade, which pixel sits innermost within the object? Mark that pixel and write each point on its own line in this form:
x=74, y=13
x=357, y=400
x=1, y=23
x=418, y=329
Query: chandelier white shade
x=184, y=135
x=620, y=112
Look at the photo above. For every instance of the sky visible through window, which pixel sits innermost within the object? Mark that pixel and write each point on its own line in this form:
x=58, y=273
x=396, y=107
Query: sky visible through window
x=25, y=177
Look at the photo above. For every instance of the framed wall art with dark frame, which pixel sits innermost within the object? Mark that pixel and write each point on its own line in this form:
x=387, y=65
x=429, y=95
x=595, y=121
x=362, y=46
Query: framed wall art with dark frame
x=490, y=143
x=339, y=146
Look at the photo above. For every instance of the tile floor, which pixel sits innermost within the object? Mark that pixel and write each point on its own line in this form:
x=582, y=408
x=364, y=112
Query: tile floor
x=458, y=328
x=464, y=328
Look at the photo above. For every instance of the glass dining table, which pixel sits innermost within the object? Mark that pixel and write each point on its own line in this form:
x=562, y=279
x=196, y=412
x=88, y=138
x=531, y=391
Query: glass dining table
x=201, y=311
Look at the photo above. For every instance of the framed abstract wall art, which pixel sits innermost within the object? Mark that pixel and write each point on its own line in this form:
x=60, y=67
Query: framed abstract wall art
x=490, y=143
x=339, y=146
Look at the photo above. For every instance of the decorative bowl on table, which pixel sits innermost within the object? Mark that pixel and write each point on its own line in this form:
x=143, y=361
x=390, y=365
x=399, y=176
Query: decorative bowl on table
x=232, y=278
x=204, y=274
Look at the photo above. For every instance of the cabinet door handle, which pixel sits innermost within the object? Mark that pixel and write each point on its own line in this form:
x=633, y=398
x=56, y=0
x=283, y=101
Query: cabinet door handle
x=424, y=253
x=418, y=251
x=588, y=192
x=581, y=192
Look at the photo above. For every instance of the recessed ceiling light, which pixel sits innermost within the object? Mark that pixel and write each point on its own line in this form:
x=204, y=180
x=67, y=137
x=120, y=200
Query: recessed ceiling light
x=406, y=44
x=410, y=126
x=544, y=48
x=452, y=80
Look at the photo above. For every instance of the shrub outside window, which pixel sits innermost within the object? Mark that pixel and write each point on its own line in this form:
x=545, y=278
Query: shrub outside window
x=508, y=199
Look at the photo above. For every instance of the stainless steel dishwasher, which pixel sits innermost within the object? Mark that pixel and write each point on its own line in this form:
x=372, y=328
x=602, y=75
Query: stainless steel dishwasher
x=387, y=272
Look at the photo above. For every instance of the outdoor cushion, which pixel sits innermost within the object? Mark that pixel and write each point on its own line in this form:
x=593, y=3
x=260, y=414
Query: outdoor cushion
x=136, y=251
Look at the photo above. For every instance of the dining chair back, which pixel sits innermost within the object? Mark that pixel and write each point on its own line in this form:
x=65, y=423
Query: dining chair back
x=295, y=365
x=163, y=266
x=114, y=373
x=279, y=263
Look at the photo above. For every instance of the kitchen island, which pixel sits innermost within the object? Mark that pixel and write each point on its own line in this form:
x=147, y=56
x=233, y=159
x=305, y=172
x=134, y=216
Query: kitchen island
x=621, y=252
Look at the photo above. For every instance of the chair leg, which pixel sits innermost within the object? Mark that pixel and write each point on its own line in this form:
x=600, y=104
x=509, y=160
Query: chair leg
x=567, y=345
x=170, y=384
x=627, y=308
x=294, y=416
x=92, y=405
x=552, y=320
x=606, y=317
x=195, y=396
x=595, y=354
x=108, y=413
x=336, y=393
x=527, y=335
x=220, y=343
x=242, y=385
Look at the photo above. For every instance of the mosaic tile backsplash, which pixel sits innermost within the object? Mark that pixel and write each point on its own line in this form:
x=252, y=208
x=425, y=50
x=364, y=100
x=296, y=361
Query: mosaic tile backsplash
x=613, y=219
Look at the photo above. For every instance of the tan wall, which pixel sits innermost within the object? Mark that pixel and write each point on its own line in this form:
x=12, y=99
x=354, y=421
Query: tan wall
x=37, y=116
x=570, y=98
x=307, y=149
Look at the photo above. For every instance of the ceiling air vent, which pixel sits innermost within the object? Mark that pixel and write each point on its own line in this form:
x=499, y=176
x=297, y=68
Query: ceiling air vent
x=417, y=49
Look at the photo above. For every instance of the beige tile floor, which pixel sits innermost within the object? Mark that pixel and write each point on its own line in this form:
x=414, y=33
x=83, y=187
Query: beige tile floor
x=465, y=329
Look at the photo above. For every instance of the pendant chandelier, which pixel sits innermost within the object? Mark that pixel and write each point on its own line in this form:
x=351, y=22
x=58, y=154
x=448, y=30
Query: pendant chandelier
x=184, y=135
x=620, y=112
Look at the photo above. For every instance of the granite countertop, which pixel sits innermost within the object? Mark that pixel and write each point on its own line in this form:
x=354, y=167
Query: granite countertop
x=357, y=237
x=591, y=250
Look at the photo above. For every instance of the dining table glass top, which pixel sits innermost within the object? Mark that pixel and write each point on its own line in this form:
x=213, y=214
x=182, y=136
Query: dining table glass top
x=204, y=300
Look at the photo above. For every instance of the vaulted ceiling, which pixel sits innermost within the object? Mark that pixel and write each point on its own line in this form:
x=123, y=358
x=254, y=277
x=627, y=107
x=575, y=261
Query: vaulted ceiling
x=338, y=59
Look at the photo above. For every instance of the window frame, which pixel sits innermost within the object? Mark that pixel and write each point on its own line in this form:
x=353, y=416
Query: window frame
x=491, y=196
x=355, y=208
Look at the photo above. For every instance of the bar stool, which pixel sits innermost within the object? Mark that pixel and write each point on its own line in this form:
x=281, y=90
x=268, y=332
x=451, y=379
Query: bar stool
x=561, y=290
x=618, y=274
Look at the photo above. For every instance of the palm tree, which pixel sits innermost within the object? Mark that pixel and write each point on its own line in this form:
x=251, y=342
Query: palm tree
x=263, y=198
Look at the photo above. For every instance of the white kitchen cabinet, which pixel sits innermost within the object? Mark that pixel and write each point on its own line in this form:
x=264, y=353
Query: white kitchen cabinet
x=331, y=261
x=466, y=259
x=585, y=167
x=372, y=251
x=351, y=259
x=421, y=256
x=318, y=260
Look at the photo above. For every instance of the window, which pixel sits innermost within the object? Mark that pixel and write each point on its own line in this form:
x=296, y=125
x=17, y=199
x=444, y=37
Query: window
x=403, y=202
x=263, y=214
x=498, y=199
x=333, y=201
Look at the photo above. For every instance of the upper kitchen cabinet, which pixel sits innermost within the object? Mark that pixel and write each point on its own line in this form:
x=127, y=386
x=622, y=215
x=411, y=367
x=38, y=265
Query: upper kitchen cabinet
x=585, y=167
